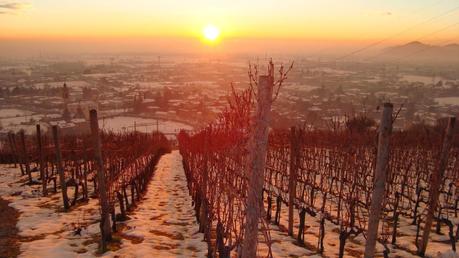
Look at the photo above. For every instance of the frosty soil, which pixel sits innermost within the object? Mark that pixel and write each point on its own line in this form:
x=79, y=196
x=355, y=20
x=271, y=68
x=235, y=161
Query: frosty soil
x=163, y=223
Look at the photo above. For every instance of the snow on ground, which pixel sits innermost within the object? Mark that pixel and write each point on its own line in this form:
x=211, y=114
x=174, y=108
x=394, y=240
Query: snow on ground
x=17, y=120
x=13, y=119
x=285, y=246
x=164, y=222
x=438, y=245
x=45, y=230
x=127, y=123
x=14, y=112
x=162, y=225
x=448, y=101
x=423, y=79
x=72, y=85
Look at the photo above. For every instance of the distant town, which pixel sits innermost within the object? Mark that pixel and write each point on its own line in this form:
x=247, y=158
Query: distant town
x=150, y=92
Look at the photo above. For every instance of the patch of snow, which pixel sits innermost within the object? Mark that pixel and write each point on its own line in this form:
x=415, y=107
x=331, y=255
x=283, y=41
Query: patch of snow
x=127, y=123
x=164, y=221
x=46, y=230
x=454, y=101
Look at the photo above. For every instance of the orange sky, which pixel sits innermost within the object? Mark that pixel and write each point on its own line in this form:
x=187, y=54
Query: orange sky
x=307, y=21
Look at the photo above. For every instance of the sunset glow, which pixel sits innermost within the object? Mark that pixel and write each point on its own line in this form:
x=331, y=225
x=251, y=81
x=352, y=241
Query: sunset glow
x=228, y=26
x=211, y=32
x=306, y=20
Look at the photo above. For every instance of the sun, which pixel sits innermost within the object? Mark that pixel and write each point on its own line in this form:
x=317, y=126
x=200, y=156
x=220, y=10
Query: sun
x=211, y=33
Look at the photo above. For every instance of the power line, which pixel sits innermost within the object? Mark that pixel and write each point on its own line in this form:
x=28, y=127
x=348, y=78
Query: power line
x=420, y=10
x=421, y=50
x=420, y=38
x=427, y=7
x=399, y=33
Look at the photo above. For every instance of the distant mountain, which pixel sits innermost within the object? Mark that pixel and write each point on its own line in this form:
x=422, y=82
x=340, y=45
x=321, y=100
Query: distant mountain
x=417, y=51
x=452, y=46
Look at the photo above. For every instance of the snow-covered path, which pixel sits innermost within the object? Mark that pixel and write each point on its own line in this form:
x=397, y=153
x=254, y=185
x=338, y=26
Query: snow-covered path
x=163, y=225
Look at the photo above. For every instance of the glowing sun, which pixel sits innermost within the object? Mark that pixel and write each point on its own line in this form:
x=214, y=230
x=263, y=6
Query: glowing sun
x=211, y=32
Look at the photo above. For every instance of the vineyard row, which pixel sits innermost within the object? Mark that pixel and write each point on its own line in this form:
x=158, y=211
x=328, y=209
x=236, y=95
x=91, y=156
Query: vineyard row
x=114, y=167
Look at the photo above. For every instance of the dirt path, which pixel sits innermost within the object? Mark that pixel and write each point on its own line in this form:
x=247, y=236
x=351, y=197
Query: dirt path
x=164, y=225
x=9, y=245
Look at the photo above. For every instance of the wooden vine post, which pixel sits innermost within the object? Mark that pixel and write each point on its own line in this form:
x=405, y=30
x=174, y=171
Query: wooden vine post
x=60, y=168
x=435, y=184
x=13, y=150
x=205, y=178
x=17, y=152
x=377, y=198
x=25, y=157
x=41, y=162
x=256, y=163
x=292, y=177
x=105, y=227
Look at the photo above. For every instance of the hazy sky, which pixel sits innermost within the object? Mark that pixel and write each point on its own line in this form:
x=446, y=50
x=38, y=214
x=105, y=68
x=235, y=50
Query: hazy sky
x=342, y=21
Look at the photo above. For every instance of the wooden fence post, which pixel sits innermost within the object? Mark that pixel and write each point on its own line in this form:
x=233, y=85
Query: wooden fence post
x=292, y=177
x=60, y=168
x=256, y=155
x=40, y=159
x=435, y=184
x=377, y=198
x=103, y=198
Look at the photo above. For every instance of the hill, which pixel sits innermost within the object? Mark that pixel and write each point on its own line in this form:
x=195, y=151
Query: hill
x=419, y=52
